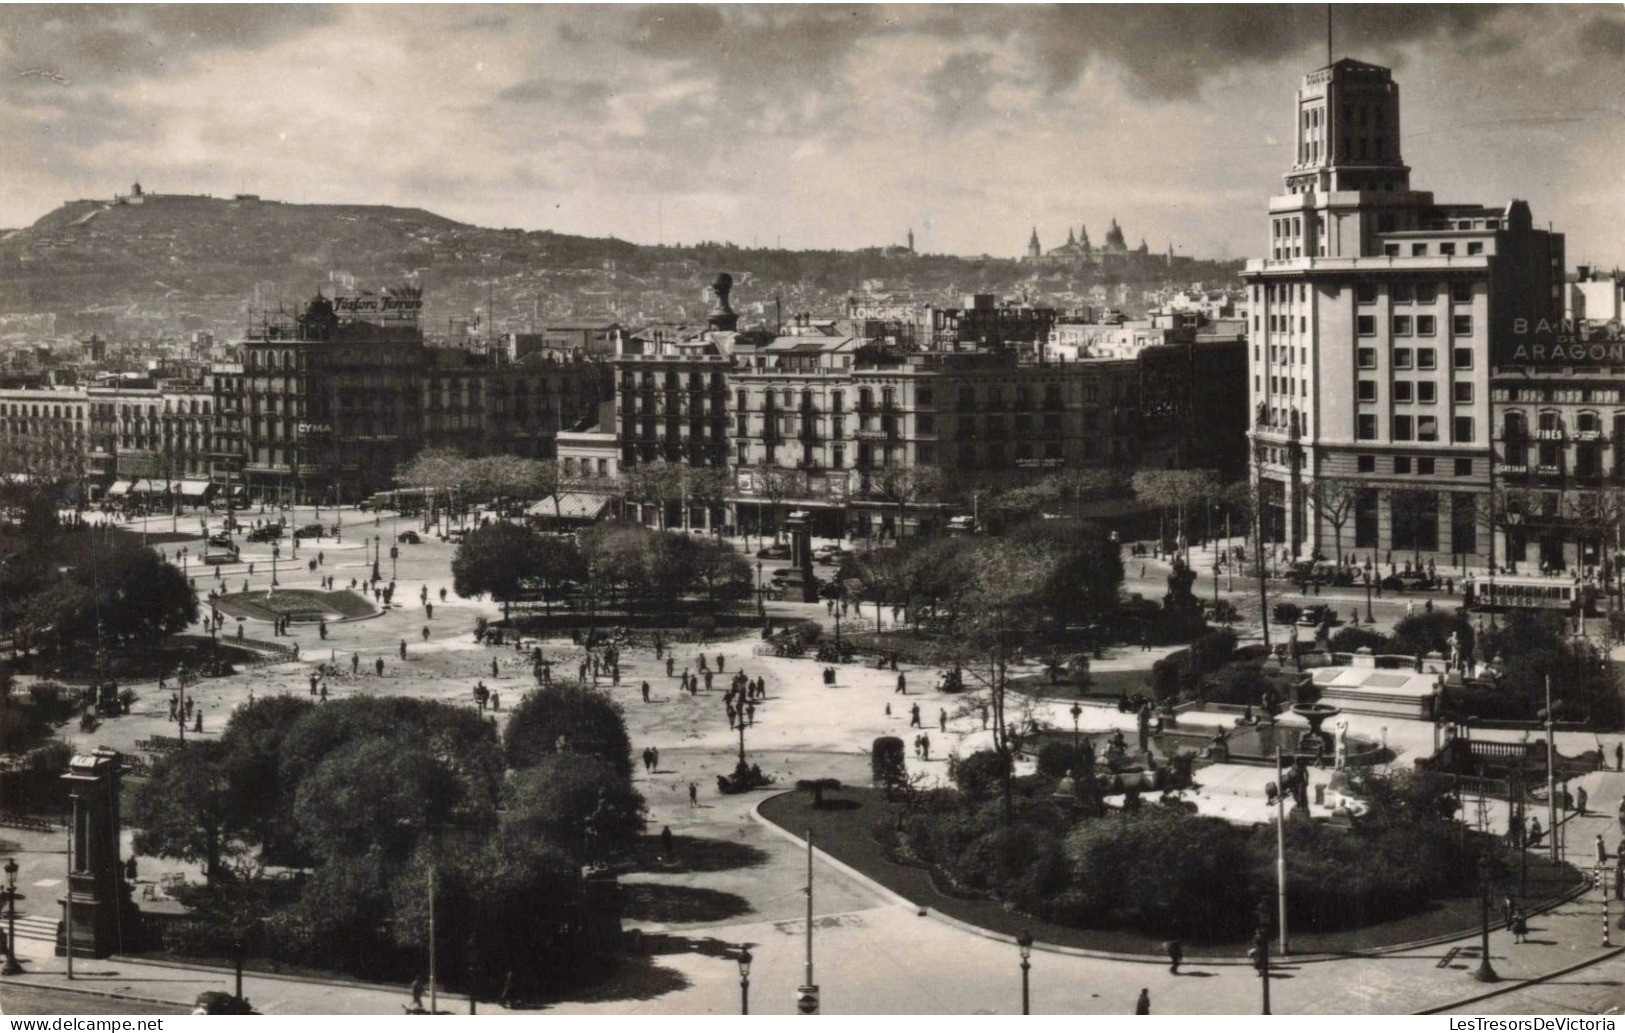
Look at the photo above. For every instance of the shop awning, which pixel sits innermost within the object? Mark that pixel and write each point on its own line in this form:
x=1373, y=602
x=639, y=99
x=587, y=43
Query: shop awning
x=195, y=489
x=120, y=488
x=572, y=505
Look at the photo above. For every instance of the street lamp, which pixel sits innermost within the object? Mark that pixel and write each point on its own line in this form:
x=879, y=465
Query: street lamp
x=1261, y=951
x=1024, y=942
x=394, y=554
x=1485, y=973
x=183, y=561
x=744, y=981
x=761, y=602
x=12, y=968
x=377, y=547
x=276, y=551
x=1369, y=617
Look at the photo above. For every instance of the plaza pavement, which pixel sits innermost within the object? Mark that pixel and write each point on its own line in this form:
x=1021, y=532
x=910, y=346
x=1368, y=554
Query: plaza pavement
x=873, y=952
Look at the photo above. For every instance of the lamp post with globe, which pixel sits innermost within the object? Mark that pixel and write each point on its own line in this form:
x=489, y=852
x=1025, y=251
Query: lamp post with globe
x=744, y=981
x=12, y=968
x=1024, y=943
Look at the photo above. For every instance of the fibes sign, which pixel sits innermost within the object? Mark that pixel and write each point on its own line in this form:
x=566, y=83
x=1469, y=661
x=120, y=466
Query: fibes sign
x=1557, y=342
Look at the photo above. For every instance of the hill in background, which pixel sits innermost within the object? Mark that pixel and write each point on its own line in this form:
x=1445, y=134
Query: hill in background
x=196, y=262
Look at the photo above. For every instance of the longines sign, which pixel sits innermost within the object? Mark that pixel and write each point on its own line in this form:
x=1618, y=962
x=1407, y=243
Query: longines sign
x=1550, y=342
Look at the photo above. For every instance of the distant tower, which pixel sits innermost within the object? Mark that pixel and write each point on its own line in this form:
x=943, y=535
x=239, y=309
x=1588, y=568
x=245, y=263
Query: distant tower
x=1170, y=252
x=1033, y=250
x=135, y=191
x=1083, y=242
x=911, y=240
x=1071, y=239
x=1114, y=238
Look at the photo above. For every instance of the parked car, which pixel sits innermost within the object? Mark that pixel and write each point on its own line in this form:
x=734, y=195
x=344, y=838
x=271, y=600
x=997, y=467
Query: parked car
x=776, y=551
x=1286, y=613
x=1318, y=614
x=310, y=531
x=268, y=533
x=218, y=1002
x=222, y=541
x=409, y=537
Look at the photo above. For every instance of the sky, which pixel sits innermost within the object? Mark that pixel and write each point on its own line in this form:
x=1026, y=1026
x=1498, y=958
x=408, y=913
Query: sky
x=803, y=126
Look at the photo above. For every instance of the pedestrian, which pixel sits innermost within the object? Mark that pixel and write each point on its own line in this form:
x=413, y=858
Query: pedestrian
x=914, y=716
x=720, y=662
x=925, y=746
x=707, y=681
x=654, y=751
x=198, y=727
x=730, y=707
x=403, y=649
x=425, y=633
x=1142, y=1006
x=666, y=842
x=1580, y=799
x=902, y=684
x=428, y=610
x=1619, y=756
x=1602, y=851
x=1535, y=833
x=750, y=713
x=442, y=595
x=417, y=993
x=355, y=663
x=645, y=692
x=493, y=662
x=1519, y=927
x=1176, y=954
x=693, y=794
x=670, y=661
x=378, y=666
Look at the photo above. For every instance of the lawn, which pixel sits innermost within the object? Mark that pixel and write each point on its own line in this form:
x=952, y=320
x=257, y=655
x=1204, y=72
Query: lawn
x=1102, y=685
x=843, y=829
x=299, y=603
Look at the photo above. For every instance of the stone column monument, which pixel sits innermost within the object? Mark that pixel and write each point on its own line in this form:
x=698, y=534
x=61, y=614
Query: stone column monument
x=104, y=918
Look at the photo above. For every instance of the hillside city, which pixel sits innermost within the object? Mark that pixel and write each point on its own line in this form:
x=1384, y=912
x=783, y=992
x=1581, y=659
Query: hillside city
x=401, y=616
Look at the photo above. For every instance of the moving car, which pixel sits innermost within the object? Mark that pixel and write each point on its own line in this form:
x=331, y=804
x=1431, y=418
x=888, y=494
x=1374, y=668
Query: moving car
x=409, y=537
x=1318, y=614
x=268, y=533
x=310, y=531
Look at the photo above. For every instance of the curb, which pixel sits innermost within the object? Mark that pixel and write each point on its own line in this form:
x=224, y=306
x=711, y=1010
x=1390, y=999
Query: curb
x=1099, y=955
x=109, y=994
x=1531, y=981
x=282, y=977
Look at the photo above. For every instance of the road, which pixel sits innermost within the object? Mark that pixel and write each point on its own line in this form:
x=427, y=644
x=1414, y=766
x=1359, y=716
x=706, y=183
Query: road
x=1594, y=990
x=29, y=1000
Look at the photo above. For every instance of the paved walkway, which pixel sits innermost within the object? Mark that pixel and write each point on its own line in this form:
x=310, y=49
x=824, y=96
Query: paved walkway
x=738, y=881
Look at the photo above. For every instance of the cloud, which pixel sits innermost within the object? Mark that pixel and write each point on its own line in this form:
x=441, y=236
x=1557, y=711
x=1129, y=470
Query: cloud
x=107, y=43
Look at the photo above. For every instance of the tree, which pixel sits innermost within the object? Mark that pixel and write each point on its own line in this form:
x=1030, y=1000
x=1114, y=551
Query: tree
x=1242, y=498
x=776, y=484
x=185, y=810
x=581, y=804
x=721, y=572
x=817, y=787
x=657, y=484
x=435, y=470
x=887, y=767
x=495, y=559
x=1334, y=499
x=253, y=745
x=116, y=590
x=1412, y=509
x=902, y=485
x=555, y=562
x=708, y=487
x=1174, y=489
x=543, y=479
x=1083, y=571
x=568, y=719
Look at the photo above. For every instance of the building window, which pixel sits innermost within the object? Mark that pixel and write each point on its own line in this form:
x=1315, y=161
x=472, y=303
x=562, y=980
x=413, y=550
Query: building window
x=1402, y=326
x=1366, y=427
x=1402, y=358
x=1415, y=521
x=1403, y=428
x=1402, y=390
x=1427, y=428
x=1368, y=390
x=1366, y=326
x=1461, y=293
x=1447, y=249
x=1424, y=466
x=1426, y=392
x=1365, y=464
x=1365, y=293
x=1419, y=250
x=1426, y=326
x=1464, y=467
x=1367, y=358
x=1475, y=247
x=1401, y=293
x=1427, y=293
x=1462, y=392
x=1391, y=250
x=1402, y=464
x=837, y=456
x=1461, y=326
x=1463, y=358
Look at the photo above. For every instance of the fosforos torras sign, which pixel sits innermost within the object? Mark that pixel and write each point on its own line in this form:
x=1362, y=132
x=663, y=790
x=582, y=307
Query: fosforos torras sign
x=1557, y=342
x=379, y=308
